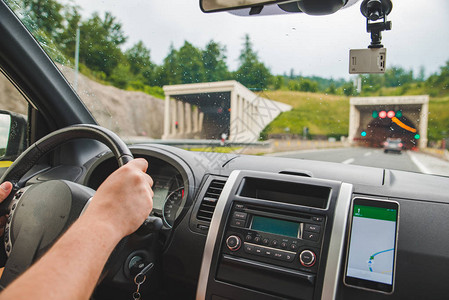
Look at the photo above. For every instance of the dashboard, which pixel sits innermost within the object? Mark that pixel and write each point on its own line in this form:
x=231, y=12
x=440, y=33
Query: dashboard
x=249, y=227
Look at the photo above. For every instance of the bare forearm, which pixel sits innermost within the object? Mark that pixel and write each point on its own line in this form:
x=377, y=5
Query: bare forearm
x=71, y=268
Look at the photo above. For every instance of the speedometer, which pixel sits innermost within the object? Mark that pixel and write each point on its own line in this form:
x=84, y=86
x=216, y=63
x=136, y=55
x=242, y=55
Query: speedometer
x=171, y=206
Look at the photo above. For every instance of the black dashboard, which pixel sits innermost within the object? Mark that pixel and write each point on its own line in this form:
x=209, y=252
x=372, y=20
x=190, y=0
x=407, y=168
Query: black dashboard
x=248, y=227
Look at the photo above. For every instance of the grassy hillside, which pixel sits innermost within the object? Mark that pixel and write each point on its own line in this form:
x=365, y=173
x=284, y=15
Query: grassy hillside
x=323, y=114
x=328, y=115
x=438, y=118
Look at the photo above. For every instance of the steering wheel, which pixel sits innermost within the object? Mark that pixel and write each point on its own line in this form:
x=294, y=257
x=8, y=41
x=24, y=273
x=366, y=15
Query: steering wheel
x=40, y=213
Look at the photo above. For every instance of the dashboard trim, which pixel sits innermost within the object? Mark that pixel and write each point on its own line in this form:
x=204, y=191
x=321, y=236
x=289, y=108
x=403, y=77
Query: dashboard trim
x=337, y=242
x=212, y=235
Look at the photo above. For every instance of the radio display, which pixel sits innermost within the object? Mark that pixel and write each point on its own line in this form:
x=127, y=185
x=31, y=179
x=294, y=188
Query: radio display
x=275, y=226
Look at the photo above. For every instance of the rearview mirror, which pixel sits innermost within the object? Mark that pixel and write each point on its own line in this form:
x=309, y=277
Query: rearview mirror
x=310, y=7
x=12, y=135
x=219, y=5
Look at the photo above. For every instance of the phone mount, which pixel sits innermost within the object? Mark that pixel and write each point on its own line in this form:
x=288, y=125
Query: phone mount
x=375, y=12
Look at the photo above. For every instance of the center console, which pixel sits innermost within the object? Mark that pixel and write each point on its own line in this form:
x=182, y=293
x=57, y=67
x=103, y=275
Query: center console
x=271, y=237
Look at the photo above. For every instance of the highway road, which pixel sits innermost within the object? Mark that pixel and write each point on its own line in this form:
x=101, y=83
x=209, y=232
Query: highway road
x=407, y=161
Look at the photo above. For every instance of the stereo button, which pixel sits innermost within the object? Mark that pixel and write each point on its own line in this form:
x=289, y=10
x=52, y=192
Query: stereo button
x=311, y=236
x=279, y=255
x=248, y=248
x=240, y=215
x=313, y=228
x=238, y=223
x=307, y=258
x=265, y=241
x=258, y=250
x=289, y=257
x=268, y=253
x=257, y=239
x=233, y=243
x=318, y=219
x=294, y=246
x=274, y=243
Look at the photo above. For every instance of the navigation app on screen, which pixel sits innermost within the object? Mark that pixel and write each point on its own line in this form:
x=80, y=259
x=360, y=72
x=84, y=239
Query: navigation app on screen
x=371, y=250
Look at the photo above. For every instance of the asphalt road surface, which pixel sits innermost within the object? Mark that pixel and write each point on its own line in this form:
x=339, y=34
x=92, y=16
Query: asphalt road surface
x=406, y=161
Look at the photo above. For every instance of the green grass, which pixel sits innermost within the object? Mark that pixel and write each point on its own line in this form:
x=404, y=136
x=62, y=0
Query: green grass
x=438, y=126
x=328, y=115
x=325, y=115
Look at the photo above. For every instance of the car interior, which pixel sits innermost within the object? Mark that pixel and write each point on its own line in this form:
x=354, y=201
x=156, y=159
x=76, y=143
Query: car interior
x=223, y=225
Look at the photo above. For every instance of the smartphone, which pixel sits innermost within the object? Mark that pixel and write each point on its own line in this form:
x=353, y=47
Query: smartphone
x=372, y=245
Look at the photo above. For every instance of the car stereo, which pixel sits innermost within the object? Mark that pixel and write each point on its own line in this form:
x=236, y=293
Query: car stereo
x=285, y=240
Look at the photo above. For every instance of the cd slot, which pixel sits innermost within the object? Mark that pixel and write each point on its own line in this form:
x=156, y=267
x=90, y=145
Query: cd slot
x=286, y=192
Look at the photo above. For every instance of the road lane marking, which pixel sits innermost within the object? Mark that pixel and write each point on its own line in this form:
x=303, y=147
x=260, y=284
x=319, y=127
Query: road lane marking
x=367, y=154
x=419, y=164
x=348, y=161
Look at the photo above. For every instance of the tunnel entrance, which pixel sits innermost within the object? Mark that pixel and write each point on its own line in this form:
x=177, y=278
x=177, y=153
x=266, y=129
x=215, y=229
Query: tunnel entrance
x=374, y=119
x=378, y=130
x=216, y=110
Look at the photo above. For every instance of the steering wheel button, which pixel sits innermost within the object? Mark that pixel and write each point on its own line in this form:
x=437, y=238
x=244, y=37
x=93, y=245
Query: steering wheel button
x=14, y=206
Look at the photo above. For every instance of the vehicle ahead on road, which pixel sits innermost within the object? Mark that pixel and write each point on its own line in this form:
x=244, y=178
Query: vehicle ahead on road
x=393, y=145
x=224, y=225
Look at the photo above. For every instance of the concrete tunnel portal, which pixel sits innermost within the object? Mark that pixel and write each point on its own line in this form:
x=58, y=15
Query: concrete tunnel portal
x=216, y=110
x=209, y=109
x=374, y=119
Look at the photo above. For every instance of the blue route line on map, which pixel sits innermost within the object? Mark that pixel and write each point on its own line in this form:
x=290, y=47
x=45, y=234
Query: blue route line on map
x=372, y=257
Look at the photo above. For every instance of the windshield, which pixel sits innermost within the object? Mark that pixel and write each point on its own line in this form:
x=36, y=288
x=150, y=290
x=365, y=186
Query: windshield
x=165, y=72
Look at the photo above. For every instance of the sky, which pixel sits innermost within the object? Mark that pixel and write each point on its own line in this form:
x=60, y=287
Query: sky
x=310, y=45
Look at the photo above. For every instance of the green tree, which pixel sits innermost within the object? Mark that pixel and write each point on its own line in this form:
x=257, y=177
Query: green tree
x=169, y=72
x=46, y=15
x=214, y=61
x=307, y=85
x=191, y=65
x=138, y=57
x=397, y=76
x=252, y=73
x=100, y=41
x=278, y=82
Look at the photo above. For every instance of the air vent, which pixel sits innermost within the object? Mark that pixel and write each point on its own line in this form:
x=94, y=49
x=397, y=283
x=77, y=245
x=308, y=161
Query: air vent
x=209, y=201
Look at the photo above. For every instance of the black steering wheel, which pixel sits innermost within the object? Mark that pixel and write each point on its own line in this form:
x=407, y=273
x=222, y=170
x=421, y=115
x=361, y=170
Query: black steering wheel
x=40, y=213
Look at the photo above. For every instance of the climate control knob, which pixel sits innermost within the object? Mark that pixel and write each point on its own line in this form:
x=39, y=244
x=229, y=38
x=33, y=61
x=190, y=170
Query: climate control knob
x=307, y=258
x=233, y=243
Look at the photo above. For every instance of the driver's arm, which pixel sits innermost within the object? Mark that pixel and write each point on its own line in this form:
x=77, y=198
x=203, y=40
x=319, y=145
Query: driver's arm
x=71, y=268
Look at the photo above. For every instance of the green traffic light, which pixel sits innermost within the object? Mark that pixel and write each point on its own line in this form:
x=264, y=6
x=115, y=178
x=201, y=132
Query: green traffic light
x=375, y=114
x=399, y=114
x=417, y=136
x=363, y=133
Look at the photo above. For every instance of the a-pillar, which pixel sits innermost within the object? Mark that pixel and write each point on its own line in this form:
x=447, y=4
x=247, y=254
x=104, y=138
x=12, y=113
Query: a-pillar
x=167, y=118
x=423, y=119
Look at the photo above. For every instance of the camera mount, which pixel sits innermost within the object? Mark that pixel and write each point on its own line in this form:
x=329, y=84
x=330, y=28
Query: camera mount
x=375, y=12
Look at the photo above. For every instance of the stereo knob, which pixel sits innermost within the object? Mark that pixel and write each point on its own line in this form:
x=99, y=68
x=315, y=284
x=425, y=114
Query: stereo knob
x=233, y=242
x=307, y=258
